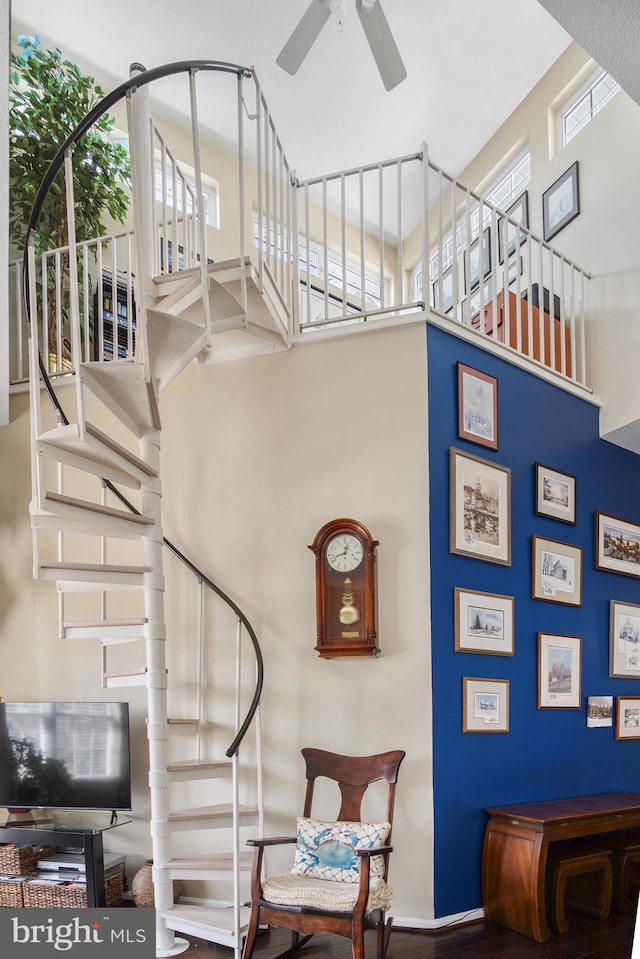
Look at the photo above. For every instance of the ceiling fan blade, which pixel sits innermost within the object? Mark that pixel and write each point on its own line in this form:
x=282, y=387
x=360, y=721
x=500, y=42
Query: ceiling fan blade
x=383, y=46
x=304, y=36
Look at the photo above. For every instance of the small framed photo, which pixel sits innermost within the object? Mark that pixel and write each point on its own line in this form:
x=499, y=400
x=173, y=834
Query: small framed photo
x=475, y=256
x=559, y=666
x=561, y=202
x=599, y=711
x=477, y=406
x=628, y=717
x=555, y=494
x=556, y=571
x=624, y=640
x=479, y=508
x=483, y=622
x=485, y=705
x=518, y=215
x=617, y=545
x=447, y=292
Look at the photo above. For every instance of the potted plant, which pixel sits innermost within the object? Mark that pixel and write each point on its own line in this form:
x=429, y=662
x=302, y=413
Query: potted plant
x=49, y=96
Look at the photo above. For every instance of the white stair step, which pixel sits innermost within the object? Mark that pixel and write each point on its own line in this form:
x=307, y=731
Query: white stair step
x=109, y=631
x=225, y=311
x=96, y=453
x=131, y=677
x=214, y=924
x=188, y=770
x=92, y=574
x=173, y=344
x=210, y=817
x=69, y=514
x=178, y=290
x=212, y=866
x=124, y=389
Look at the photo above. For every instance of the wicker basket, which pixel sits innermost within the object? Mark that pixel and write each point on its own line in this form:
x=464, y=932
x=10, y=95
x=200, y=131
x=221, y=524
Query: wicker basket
x=11, y=894
x=18, y=860
x=45, y=895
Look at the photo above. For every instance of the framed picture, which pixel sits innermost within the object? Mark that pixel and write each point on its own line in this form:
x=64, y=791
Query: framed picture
x=558, y=671
x=475, y=254
x=555, y=494
x=484, y=291
x=516, y=269
x=485, y=705
x=479, y=508
x=628, y=717
x=624, y=640
x=556, y=571
x=561, y=202
x=447, y=292
x=599, y=711
x=518, y=213
x=477, y=406
x=617, y=545
x=483, y=622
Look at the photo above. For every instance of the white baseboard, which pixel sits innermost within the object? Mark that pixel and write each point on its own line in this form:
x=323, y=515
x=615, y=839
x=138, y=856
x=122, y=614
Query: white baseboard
x=400, y=922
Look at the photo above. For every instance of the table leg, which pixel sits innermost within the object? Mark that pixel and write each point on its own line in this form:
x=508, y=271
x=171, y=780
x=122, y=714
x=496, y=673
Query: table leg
x=94, y=864
x=514, y=860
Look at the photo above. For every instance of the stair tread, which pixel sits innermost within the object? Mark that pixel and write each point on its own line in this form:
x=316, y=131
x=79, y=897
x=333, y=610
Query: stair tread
x=125, y=672
x=216, y=860
x=93, y=567
x=124, y=389
x=209, y=918
x=97, y=623
x=90, y=453
x=119, y=449
x=183, y=722
x=187, y=764
x=98, y=508
x=209, y=812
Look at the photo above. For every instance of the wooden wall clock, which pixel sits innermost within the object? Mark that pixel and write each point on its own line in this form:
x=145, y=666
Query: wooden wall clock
x=345, y=589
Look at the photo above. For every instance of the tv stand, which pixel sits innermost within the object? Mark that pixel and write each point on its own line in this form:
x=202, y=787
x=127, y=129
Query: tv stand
x=84, y=831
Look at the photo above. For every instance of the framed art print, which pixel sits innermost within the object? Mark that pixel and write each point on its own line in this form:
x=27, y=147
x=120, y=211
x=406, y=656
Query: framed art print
x=617, y=546
x=556, y=571
x=555, y=494
x=477, y=407
x=561, y=202
x=624, y=640
x=479, y=508
x=559, y=667
x=518, y=215
x=479, y=261
x=483, y=622
x=485, y=705
x=628, y=717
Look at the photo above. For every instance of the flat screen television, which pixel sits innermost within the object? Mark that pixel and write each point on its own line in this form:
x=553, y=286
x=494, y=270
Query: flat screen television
x=65, y=756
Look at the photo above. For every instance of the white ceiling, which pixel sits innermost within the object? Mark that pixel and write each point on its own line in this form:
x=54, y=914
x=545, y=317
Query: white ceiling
x=469, y=64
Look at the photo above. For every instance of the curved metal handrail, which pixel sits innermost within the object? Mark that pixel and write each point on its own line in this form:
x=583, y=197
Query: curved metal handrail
x=141, y=79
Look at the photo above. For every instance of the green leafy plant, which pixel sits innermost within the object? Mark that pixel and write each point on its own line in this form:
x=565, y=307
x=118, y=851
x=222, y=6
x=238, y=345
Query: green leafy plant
x=49, y=96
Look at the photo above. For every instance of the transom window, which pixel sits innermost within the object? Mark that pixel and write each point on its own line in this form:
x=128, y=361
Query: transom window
x=586, y=103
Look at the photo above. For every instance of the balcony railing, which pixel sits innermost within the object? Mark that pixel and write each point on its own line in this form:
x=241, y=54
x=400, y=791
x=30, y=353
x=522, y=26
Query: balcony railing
x=386, y=243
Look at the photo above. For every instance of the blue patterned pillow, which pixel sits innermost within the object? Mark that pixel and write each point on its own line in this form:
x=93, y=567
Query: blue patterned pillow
x=325, y=850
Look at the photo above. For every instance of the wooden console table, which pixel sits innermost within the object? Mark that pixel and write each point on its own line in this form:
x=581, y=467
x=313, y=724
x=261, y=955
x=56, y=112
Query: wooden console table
x=514, y=855
x=530, y=332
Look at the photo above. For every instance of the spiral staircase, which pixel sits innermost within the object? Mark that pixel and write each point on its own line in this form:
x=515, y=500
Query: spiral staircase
x=197, y=313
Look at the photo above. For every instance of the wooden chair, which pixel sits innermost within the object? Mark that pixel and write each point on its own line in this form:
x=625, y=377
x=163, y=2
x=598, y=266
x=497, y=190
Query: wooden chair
x=308, y=905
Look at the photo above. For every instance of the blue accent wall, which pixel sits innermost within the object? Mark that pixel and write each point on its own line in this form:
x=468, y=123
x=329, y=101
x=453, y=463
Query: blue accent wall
x=548, y=753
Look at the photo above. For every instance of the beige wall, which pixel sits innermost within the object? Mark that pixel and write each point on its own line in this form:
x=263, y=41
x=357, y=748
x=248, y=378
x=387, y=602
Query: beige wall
x=257, y=455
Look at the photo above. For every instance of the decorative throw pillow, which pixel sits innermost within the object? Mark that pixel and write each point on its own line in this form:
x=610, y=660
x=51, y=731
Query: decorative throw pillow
x=325, y=850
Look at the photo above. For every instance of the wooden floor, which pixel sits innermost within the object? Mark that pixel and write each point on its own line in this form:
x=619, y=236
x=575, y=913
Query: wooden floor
x=587, y=938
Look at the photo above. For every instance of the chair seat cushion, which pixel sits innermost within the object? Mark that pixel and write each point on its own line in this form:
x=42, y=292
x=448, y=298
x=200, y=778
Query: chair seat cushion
x=326, y=850
x=292, y=890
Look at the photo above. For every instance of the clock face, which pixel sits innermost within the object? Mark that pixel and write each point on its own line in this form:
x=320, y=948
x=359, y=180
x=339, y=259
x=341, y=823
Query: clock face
x=344, y=552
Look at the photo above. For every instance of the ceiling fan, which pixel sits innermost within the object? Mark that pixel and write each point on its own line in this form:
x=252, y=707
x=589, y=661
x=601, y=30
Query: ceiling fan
x=374, y=24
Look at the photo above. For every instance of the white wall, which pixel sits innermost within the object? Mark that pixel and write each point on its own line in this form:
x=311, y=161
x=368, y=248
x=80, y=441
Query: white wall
x=257, y=455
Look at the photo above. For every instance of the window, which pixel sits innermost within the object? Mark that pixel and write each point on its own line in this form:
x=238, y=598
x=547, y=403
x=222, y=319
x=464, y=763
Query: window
x=311, y=261
x=186, y=192
x=501, y=193
x=584, y=105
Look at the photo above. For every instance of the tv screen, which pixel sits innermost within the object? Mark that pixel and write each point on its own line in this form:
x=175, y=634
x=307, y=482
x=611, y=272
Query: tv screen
x=65, y=755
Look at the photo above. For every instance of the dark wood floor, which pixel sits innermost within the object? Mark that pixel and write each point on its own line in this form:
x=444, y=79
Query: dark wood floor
x=586, y=939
